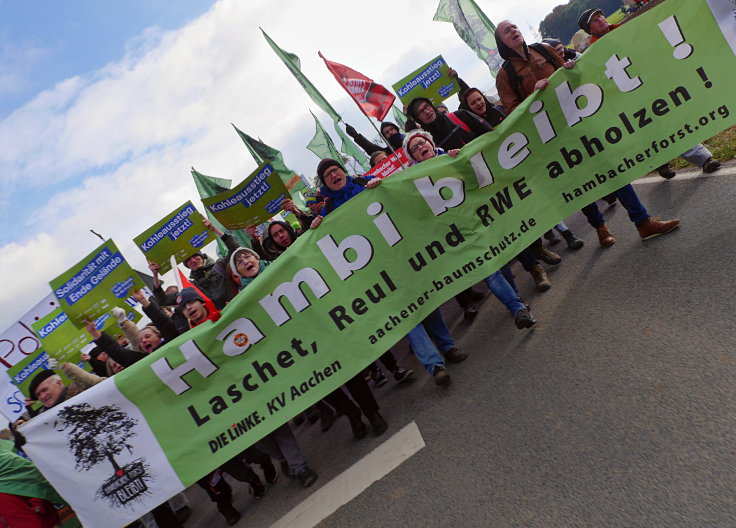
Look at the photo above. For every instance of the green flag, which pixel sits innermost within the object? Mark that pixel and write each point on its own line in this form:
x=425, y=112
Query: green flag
x=292, y=62
x=474, y=28
x=399, y=117
x=210, y=186
x=351, y=149
x=262, y=152
x=322, y=144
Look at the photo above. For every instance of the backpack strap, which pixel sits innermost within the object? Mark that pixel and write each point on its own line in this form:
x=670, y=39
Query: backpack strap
x=458, y=122
x=515, y=79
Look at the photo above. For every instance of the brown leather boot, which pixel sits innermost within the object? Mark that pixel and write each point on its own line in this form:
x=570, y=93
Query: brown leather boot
x=652, y=227
x=540, y=278
x=604, y=236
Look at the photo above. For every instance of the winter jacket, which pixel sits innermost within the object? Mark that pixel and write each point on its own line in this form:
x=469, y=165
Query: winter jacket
x=211, y=278
x=531, y=68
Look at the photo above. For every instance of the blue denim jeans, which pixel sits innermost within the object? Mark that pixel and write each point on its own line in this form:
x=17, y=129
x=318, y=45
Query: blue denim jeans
x=628, y=198
x=509, y=276
x=503, y=291
x=424, y=349
x=697, y=155
x=438, y=331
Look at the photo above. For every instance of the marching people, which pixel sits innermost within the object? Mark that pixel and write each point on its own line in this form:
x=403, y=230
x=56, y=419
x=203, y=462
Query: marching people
x=338, y=188
x=526, y=69
x=419, y=146
x=473, y=100
x=594, y=22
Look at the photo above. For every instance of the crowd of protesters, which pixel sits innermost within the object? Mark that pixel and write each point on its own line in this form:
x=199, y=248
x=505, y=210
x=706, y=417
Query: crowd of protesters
x=431, y=130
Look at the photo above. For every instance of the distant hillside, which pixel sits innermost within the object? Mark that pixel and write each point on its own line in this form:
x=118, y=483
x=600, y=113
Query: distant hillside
x=562, y=22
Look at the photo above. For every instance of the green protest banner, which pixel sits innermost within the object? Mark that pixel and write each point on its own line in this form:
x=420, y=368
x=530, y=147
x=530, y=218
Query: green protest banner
x=251, y=202
x=95, y=285
x=432, y=81
x=378, y=265
x=181, y=233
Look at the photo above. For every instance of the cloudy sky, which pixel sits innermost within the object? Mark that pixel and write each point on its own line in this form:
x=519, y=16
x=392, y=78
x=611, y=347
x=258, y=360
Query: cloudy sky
x=105, y=106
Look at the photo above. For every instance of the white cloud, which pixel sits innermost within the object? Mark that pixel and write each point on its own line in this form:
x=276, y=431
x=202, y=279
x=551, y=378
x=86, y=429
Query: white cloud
x=124, y=138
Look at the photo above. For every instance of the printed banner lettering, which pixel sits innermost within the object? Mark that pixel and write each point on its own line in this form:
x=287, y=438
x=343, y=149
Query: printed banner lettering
x=432, y=81
x=377, y=266
x=252, y=202
x=99, y=282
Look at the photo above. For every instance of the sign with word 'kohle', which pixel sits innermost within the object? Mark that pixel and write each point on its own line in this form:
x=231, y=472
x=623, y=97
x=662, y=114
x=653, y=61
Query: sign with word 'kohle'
x=432, y=81
x=180, y=234
x=95, y=285
x=252, y=202
x=346, y=291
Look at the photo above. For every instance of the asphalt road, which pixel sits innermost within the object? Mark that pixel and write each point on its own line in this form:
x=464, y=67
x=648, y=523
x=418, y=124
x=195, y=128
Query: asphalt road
x=617, y=410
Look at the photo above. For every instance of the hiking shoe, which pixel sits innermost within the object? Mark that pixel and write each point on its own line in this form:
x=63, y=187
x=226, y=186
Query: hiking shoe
x=231, y=514
x=286, y=470
x=454, y=355
x=269, y=472
x=652, y=227
x=358, y=427
x=307, y=476
x=257, y=489
x=379, y=379
x=573, y=242
x=326, y=420
x=605, y=238
x=441, y=377
x=551, y=237
x=711, y=165
x=298, y=419
x=610, y=199
x=402, y=374
x=524, y=319
x=540, y=278
x=545, y=255
x=378, y=423
x=666, y=172
x=474, y=295
x=469, y=314
x=312, y=415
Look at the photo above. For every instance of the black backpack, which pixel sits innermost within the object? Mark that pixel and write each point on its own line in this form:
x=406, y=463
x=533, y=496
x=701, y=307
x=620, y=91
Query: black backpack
x=514, y=77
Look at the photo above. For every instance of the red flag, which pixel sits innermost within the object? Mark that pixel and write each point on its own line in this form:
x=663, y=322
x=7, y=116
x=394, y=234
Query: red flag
x=372, y=98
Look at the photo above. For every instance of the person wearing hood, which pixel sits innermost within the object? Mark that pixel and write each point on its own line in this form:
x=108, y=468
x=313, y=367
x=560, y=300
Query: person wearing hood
x=594, y=22
x=474, y=101
x=419, y=146
x=450, y=131
x=565, y=53
x=338, y=187
x=533, y=66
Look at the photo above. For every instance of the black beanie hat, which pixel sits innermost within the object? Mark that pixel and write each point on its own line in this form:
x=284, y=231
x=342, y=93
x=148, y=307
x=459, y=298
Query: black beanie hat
x=326, y=164
x=37, y=380
x=586, y=17
x=188, y=294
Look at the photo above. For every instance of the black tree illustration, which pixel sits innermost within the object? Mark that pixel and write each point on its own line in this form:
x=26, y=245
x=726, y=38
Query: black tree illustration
x=97, y=434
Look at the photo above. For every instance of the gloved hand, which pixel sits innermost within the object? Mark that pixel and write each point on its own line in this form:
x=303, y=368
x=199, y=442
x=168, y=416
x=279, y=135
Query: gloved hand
x=53, y=363
x=119, y=314
x=351, y=131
